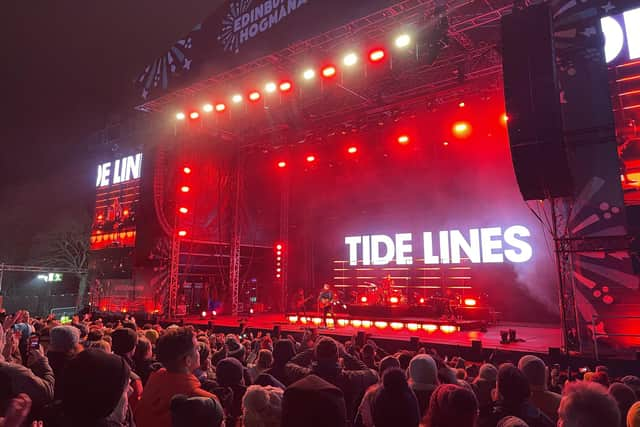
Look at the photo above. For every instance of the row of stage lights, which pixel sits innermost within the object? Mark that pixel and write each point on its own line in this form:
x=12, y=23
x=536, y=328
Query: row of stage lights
x=328, y=72
x=183, y=210
x=378, y=324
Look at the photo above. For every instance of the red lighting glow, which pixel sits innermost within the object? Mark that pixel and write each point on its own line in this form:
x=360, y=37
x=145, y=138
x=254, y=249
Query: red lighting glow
x=446, y=143
x=329, y=71
x=185, y=189
x=254, y=96
x=394, y=300
x=282, y=164
x=279, y=247
x=461, y=129
x=182, y=233
x=504, y=118
x=352, y=150
x=100, y=217
x=186, y=170
x=403, y=139
x=183, y=210
x=363, y=299
x=125, y=212
x=377, y=55
x=220, y=107
x=461, y=105
x=470, y=302
x=421, y=300
x=311, y=158
x=286, y=86
x=194, y=115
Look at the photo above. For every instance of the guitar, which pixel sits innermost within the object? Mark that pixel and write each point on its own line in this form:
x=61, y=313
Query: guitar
x=299, y=302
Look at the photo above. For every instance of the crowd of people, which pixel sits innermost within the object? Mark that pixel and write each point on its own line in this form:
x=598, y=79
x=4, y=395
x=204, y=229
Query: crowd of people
x=92, y=372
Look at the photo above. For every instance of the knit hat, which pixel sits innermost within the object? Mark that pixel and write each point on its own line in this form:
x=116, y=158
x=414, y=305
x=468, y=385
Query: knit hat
x=452, y=406
x=624, y=396
x=152, y=335
x=394, y=404
x=283, y=351
x=123, y=340
x=94, y=383
x=313, y=402
x=63, y=338
x=388, y=362
x=229, y=372
x=262, y=406
x=512, y=422
x=488, y=372
x=235, y=347
x=423, y=372
x=195, y=411
x=633, y=416
x=535, y=370
x=512, y=385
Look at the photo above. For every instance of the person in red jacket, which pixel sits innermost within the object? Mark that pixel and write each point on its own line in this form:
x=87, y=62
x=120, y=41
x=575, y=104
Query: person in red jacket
x=178, y=352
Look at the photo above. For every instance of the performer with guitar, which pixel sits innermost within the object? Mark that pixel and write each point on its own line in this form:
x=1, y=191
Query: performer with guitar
x=325, y=301
x=299, y=302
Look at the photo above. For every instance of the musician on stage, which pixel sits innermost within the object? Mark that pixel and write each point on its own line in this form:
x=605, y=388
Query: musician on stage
x=325, y=301
x=299, y=302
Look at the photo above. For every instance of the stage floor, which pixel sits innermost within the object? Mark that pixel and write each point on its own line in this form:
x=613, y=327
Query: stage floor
x=535, y=338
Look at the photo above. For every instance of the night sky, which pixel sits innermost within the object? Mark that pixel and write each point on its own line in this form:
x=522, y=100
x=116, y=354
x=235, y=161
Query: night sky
x=65, y=68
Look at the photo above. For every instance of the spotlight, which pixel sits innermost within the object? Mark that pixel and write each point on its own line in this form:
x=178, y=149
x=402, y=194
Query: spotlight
x=186, y=170
x=308, y=74
x=207, y=108
x=185, y=189
x=220, y=107
x=182, y=233
x=403, y=40
x=352, y=150
x=376, y=55
x=461, y=129
x=282, y=164
x=394, y=300
x=180, y=116
x=270, y=87
x=470, y=302
x=421, y=300
x=184, y=210
x=350, y=59
x=254, y=96
x=311, y=158
x=363, y=299
x=445, y=143
x=504, y=118
x=461, y=105
x=403, y=139
x=203, y=314
x=286, y=86
x=279, y=246
x=194, y=115
x=329, y=71
x=236, y=99
x=214, y=313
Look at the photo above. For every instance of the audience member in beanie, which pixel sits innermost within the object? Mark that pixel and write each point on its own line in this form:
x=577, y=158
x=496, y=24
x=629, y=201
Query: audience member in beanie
x=423, y=379
x=537, y=373
x=177, y=350
x=394, y=404
x=123, y=344
x=451, y=406
x=364, y=417
x=104, y=404
x=195, y=412
x=230, y=374
x=283, y=352
x=63, y=346
x=633, y=416
x=143, y=360
x=512, y=392
x=587, y=404
x=625, y=397
x=512, y=422
x=483, y=386
x=313, y=402
x=262, y=407
x=353, y=379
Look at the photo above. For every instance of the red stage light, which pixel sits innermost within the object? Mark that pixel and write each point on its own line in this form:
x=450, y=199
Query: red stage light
x=183, y=210
x=254, y=96
x=377, y=55
x=182, y=233
x=311, y=158
x=504, y=118
x=352, y=150
x=446, y=143
x=279, y=247
x=363, y=300
x=194, y=115
x=220, y=107
x=286, y=86
x=403, y=139
x=421, y=300
x=282, y=164
x=461, y=129
x=125, y=212
x=185, y=189
x=394, y=300
x=470, y=302
x=461, y=105
x=180, y=116
x=329, y=71
x=186, y=170
x=100, y=217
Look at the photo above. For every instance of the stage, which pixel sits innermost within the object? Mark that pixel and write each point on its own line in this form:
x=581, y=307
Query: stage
x=531, y=338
